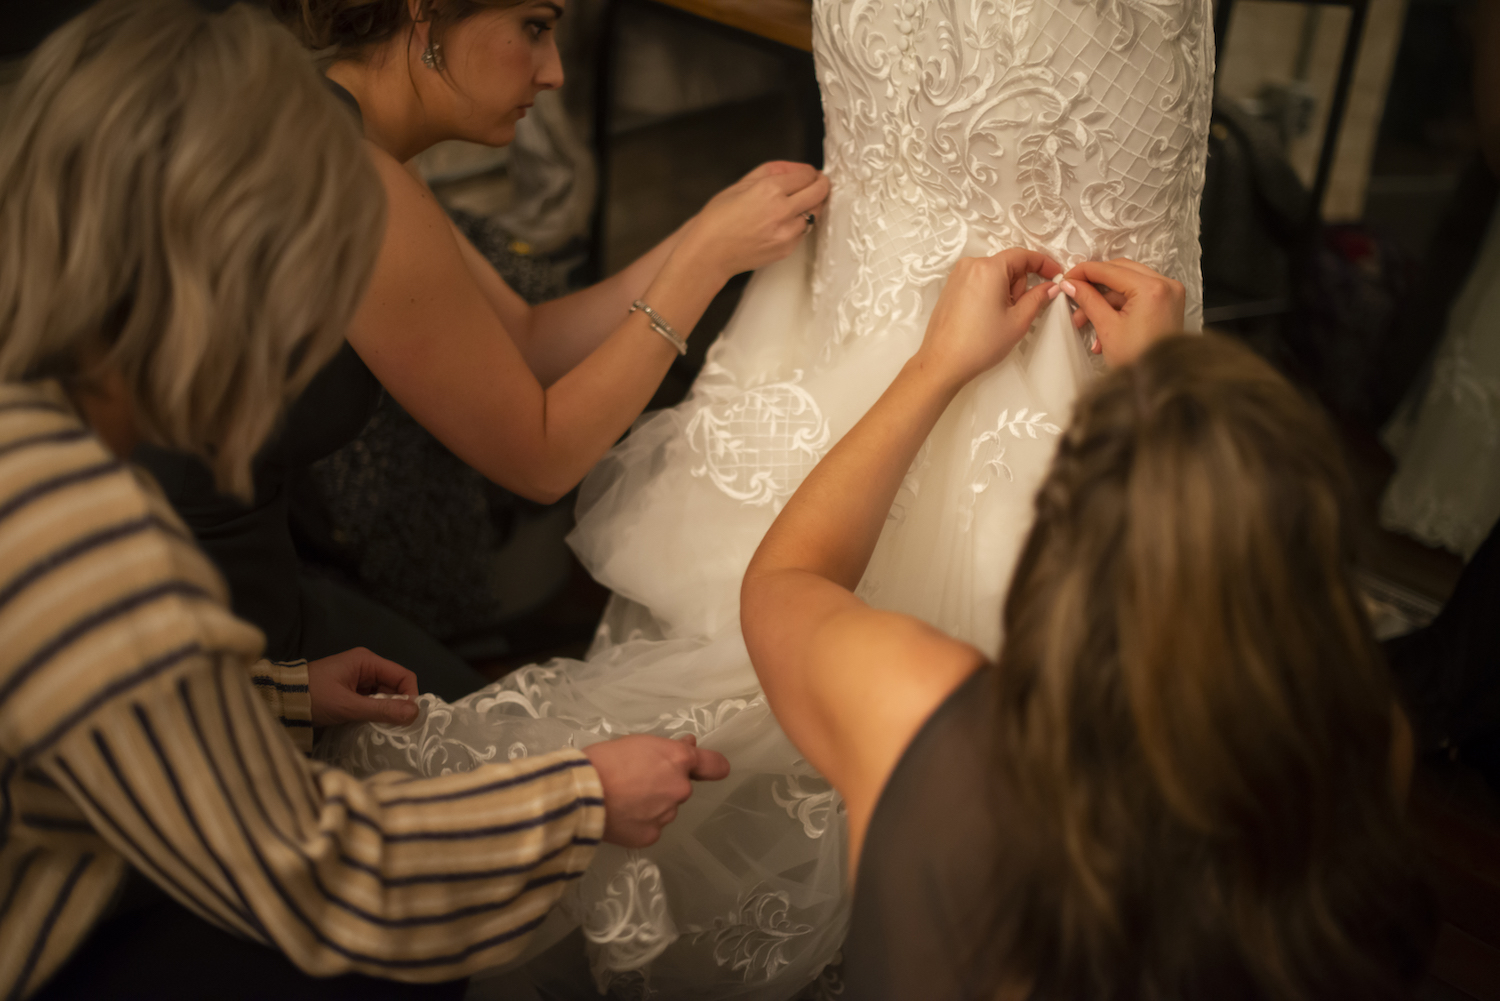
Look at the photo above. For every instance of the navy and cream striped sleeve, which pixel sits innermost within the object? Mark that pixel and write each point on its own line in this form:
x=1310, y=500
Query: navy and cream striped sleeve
x=134, y=728
x=282, y=685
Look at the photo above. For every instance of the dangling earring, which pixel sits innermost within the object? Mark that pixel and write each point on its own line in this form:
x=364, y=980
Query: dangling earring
x=432, y=56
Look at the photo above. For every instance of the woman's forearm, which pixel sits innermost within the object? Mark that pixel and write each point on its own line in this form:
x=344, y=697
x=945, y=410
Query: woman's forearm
x=763, y=218
x=452, y=349
x=565, y=331
x=555, y=336
x=587, y=410
x=831, y=524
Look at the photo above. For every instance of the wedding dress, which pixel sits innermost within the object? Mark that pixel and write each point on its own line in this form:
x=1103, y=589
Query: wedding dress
x=1446, y=434
x=954, y=128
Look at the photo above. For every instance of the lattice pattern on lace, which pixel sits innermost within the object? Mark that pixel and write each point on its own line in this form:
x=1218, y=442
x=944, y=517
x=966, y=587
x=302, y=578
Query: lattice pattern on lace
x=1075, y=127
x=1144, y=98
x=758, y=446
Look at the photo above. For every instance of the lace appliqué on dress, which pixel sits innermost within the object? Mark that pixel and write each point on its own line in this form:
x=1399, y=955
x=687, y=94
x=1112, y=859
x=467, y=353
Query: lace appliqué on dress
x=630, y=924
x=815, y=804
x=995, y=466
x=759, y=444
x=753, y=938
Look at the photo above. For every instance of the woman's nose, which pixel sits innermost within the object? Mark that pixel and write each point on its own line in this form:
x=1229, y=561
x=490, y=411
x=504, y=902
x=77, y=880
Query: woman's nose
x=549, y=75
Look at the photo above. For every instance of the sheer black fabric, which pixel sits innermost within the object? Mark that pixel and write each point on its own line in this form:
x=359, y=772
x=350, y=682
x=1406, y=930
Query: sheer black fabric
x=935, y=861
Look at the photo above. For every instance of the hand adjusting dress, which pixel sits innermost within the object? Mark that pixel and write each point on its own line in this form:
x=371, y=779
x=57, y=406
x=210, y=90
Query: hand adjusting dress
x=963, y=127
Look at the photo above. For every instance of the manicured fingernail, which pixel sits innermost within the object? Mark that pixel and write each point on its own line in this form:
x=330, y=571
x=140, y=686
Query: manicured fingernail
x=1068, y=287
x=1053, y=290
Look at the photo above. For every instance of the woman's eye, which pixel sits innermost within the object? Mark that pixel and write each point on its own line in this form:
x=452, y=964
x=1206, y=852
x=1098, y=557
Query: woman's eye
x=538, y=28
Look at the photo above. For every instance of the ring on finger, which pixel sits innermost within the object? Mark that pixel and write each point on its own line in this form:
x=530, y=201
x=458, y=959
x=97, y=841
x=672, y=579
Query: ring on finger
x=811, y=219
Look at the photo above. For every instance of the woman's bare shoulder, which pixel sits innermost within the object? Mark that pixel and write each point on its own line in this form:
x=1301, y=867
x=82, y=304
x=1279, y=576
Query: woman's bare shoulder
x=420, y=277
x=404, y=186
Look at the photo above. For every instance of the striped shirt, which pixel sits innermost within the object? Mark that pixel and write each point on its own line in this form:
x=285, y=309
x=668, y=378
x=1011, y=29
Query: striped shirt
x=134, y=730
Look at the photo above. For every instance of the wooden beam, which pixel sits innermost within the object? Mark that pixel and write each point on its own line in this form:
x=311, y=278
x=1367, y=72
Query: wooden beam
x=786, y=21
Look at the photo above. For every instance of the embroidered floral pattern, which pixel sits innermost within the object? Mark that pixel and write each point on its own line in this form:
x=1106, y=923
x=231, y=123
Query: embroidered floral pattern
x=630, y=924
x=759, y=444
x=814, y=804
x=956, y=127
x=753, y=938
x=995, y=465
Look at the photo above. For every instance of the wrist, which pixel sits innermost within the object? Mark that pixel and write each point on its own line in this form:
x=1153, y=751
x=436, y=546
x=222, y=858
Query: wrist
x=694, y=253
x=930, y=376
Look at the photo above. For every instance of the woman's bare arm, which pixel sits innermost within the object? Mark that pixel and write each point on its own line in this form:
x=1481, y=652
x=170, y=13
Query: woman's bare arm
x=435, y=339
x=555, y=336
x=850, y=685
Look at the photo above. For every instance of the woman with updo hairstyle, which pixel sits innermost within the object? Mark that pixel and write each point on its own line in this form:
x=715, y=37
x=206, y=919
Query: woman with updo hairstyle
x=1183, y=779
x=531, y=397
x=188, y=220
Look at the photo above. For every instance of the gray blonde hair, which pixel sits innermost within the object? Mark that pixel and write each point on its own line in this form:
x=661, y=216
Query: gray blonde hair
x=183, y=202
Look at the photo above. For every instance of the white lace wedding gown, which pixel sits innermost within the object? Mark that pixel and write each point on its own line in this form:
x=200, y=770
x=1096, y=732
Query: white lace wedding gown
x=955, y=128
x=1446, y=434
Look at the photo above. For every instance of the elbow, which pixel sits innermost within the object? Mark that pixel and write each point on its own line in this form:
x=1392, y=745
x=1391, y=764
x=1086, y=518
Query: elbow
x=756, y=587
x=549, y=495
x=542, y=492
x=543, y=484
x=533, y=474
x=753, y=595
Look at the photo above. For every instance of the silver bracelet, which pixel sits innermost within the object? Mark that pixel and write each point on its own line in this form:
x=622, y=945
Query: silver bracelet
x=661, y=326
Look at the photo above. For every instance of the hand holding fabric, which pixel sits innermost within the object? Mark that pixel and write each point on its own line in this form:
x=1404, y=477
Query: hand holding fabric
x=645, y=780
x=1138, y=307
x=984, y=312
x=341, y=687
x=759, y=219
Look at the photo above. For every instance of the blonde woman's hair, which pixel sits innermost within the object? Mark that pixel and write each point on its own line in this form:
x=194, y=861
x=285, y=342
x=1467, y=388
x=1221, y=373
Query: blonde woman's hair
x=182, y=202
x=1193, y=709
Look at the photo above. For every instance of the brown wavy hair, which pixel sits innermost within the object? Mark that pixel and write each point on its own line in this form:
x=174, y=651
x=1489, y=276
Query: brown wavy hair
x=181, y=196
x=348, y=29
x=1193, y=710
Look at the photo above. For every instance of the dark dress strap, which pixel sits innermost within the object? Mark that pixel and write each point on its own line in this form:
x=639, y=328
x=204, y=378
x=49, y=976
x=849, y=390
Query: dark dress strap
x=343, y=94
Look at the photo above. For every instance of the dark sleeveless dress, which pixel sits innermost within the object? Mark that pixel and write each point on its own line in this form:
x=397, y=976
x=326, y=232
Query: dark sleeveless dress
x=303, y=615
x=930, y=871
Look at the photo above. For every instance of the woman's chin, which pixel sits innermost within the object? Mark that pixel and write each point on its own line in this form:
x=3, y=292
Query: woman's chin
x=500, y=135
x=488, y=134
